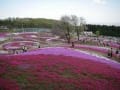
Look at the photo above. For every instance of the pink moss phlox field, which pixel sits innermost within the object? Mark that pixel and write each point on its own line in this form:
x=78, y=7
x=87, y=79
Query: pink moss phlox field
x=6, y=84
x=71, y=52
x=27, y=35
x=57, y=69
x=18, y=44
x=113, y=44
x=32, y=36
x=3, y=34
x=95, y=48
x=62, y=71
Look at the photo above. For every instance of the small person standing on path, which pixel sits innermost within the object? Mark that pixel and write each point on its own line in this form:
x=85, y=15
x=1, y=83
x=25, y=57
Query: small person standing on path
x=24, y=49
x=73, y=45
x=117, y=51
x=103, y=44
x=111, y=54
x=13, y=51
x=39, y=45
x=16, y=52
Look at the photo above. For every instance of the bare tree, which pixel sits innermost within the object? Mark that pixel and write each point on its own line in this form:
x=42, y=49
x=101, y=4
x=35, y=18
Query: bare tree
x=75, y=23
x=57, y=29
x=65, y=23
x=78, y=25
x=74, y=20
x=69, y=25
x=82, y=26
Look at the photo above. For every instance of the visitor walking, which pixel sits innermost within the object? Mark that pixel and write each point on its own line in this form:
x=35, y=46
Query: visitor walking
x=117, y=51
x=13, y=51
x=24, y=49
x=73, y=45
x=103, y=44
x=16, y=52
x=39, y=46
x=111, y=53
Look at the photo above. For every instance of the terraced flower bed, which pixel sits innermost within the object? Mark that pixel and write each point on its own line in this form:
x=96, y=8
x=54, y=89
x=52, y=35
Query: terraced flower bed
x=100, y=41
x=58, y=69
x=18, y=44
x=26, y=36
x=115, y=45
x=103, y=50
x=4, y=36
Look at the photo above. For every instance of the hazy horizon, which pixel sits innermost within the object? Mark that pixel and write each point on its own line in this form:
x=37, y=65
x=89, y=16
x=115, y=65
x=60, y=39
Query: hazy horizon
x=104, y=12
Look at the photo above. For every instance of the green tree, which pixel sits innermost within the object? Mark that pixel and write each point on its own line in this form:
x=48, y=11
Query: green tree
x=97, y=33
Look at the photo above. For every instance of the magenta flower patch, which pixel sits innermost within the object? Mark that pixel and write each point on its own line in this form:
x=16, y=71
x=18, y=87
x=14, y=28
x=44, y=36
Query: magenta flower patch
x=58, y=69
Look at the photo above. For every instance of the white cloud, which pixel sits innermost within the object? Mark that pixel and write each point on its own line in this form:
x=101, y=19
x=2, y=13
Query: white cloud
x=100, y=1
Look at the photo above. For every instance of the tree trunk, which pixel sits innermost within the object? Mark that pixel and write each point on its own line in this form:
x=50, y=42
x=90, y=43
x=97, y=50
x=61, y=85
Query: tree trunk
x=78, y=35
x=68, y=34
x=68, y=38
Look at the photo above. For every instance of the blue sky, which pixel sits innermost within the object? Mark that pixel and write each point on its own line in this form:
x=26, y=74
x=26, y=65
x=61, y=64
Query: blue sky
x=94, y=11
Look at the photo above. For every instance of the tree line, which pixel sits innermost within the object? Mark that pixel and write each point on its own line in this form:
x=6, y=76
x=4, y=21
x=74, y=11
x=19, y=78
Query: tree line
x=50, y=23
x=105, y=30
x=27, y=23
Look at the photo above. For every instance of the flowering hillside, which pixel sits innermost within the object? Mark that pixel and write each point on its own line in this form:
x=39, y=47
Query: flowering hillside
x=57, y=69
